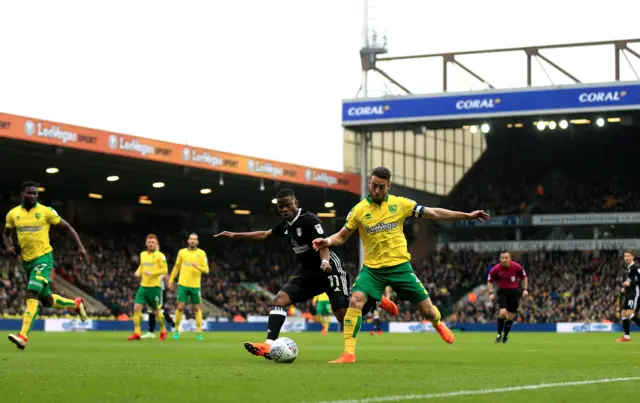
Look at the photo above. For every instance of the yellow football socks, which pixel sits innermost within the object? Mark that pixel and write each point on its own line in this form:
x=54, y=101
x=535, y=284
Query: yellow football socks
x=325, y=323
x=436, y=321
x=160, y=319
x=29, y=317
x=352, y=324
x=137, y=318
x=178, y=318
x=199, y=320
x=62, y=302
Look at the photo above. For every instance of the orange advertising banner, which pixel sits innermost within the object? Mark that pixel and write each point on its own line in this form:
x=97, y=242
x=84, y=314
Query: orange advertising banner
x=82, y=138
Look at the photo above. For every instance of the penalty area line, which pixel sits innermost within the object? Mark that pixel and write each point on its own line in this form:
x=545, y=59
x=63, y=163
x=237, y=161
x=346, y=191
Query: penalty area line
x=482, y=391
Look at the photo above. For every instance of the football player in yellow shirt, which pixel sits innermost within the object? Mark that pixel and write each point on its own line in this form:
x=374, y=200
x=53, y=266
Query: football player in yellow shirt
x=323, y=308
x=153, y=266
x=31, y=221
x=191, y=264
x=379, y=219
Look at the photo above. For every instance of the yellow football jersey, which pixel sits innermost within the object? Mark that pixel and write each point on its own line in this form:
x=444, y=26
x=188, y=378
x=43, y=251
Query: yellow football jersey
x=186, y=263
x=32, y=227
x=156, y=263
x=321, y=297
x=380, y=228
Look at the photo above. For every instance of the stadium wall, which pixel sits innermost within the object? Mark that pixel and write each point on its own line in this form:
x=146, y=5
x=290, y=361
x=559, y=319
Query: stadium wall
x=73, y=325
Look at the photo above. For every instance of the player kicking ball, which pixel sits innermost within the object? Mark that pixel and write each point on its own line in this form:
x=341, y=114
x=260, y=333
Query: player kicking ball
x=191, y=264
x=319, y=272
x=379, y=219
x=32, y=221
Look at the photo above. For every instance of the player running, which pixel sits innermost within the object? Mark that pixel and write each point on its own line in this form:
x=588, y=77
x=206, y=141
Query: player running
x=152, y=319
x=322, y=304
x=191, y=264
x=153, y=265
x=319, y=272
x=507, y=274
x=631, y=291
x=32, y=221
x=379, y=218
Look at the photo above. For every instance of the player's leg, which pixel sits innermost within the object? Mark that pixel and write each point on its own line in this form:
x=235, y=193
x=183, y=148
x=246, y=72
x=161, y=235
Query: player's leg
x=626, y=320
x=337, y=287
x=502, y=314
x=513, y=301
x=154, y=295
x=29, y=317
x=179, y=313
x=368, y=285
x=167, y=317
x=141, y=299
x=196, y=300
x=152, y=326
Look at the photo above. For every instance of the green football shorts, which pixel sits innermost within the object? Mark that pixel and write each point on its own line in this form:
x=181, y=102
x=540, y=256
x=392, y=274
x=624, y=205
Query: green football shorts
x=372, y=282
x=38, y=272
x=189, y=295
x=323, y=308
x=151, y=296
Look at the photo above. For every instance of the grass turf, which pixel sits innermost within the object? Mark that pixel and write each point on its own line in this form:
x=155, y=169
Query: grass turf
x=104, y=367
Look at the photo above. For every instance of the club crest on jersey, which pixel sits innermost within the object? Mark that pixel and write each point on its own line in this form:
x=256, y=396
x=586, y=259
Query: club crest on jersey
x=393, y=209
x=299, y=231
x=367, y=216
x=319, y=229
x=513, y=278
x=38, y=215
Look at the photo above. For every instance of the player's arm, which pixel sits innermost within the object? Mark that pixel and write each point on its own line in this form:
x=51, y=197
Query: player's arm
x=490, y=287
x=441, y=214
x=525, y=281
x=60, y=222
x=161, y=267
x=204, y=265
x=340, y=237
x=251, y=236
x=314, y=301
x=6, y=234
x=176, y=268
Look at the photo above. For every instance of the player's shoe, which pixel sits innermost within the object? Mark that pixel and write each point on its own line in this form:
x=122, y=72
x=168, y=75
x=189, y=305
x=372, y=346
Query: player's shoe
x=345, y=358
x=148, y=335
x=504, y=340
x=80, y=307
x=324, y=331
x=379, y=332
x=259, y=349
x=389, y=306
x=134, y=336
x=19, y=340
x=624, y=339
x=176, y=335
x=373, y=333
x=163, y=335
x=445, y=333
x=199, y=337
x=498, y=338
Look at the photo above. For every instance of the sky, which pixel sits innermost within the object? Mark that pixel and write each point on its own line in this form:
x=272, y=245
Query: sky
x=265, y=79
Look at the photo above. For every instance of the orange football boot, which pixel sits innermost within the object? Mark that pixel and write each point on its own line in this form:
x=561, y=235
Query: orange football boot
x=259, y=349
x=624, y=340
x=134, y=336
x=345, y=358
x=389, y=306
x=163, y=335
x=445, y=333
x=19, y=340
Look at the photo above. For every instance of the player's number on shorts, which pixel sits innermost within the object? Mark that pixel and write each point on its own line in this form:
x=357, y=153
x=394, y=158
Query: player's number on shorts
x=334, y=281
x=630, y=304
x=41, y=266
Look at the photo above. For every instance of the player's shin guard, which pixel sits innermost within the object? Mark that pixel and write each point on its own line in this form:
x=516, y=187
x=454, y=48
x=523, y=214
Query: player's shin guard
x=160, y=319
x=277, y=316
x=199, y=321
x=352, y=324
x=626, y=324
x=152, y=323
x=137, y=319
x=436, y=321
x=29, y=317
x=60, y=302
x=500, y=325
x=507, y=327
x=178, y=318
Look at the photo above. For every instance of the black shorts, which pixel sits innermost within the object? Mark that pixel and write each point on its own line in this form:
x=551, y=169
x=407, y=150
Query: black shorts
x=305, y=286
x=630, y=301
x=509, y=299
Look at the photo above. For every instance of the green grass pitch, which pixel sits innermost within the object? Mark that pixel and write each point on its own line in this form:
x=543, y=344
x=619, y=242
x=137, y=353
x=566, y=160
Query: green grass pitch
x=104, y=367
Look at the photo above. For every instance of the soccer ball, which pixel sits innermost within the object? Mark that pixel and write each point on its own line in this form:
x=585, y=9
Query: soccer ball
x=283, y=351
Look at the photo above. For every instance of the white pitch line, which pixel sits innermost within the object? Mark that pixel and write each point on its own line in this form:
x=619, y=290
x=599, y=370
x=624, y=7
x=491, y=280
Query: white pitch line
x=482, y=391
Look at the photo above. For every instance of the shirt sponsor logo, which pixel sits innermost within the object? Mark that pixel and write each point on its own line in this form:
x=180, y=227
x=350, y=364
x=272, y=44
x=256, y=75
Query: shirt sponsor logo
x=377, y=110
x=50, y=132
x=29, y=228
x=300, y=249
x=477, y=103
x=381, y=227
x=136, y=146
x=601, y=96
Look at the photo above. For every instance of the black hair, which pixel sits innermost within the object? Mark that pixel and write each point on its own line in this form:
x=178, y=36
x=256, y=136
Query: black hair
x=28, y=184
x=382, y=173
x=285, y=193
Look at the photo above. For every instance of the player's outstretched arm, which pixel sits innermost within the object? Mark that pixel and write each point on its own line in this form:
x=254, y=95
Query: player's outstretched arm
x=6, y=239
x=64, y=224
x=525, y=286
x=337, y=239
x=251, y=236
x=441, y=214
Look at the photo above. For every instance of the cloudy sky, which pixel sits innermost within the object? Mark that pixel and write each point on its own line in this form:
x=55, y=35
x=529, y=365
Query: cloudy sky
x=259, y=78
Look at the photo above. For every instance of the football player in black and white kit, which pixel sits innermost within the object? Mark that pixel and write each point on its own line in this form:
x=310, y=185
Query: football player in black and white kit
x=631, y=291
x=318, y=272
